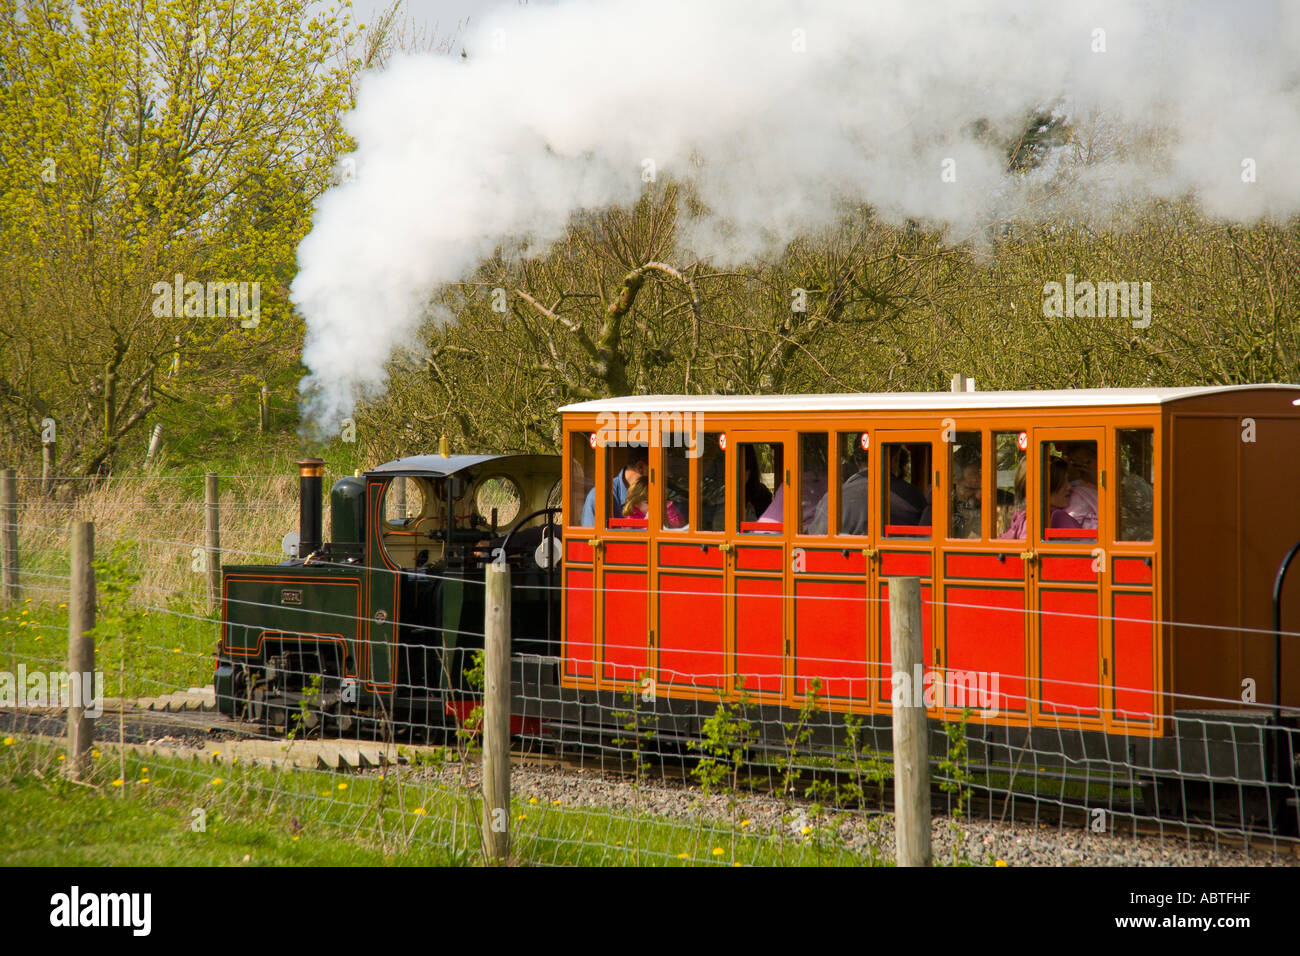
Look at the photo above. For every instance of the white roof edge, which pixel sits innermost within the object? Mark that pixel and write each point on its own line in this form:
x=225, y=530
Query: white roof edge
x=920, y=401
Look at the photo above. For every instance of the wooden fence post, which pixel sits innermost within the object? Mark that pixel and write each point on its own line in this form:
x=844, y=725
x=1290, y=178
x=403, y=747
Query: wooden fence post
x=496, y=714
x=911, y=750
x=212, y=535
x=81, y=649
x=9, y=531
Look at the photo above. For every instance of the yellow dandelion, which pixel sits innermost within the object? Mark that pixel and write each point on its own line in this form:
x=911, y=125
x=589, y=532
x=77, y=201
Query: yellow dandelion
x=618, y=843
x=745, y=823
x=805, y=830
x=324, y=793
x=63, y=756
x=555, y=802
x=28, y=601
x=217, y=781
x=522, y=817
x=94, y=753
x=532, y=800
x=144, y=779
x=216, y=753
x=63, y=605
x=24, y=623
x=9, y=741
x=718, y=851
x=735, y=863
x=295, y=839
x=1000, y=863
x=419, y=811
x=683, y=855
x=26, y=612
x=234, y=760
x=343, y=786
x=117, y=782
x=176, y=650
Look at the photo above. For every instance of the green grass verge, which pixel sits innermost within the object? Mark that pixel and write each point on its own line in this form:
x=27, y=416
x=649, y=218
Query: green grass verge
x=138, y=812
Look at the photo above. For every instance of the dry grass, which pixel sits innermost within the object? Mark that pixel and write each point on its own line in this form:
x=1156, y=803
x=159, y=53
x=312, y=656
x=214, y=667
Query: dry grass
x=161, y=516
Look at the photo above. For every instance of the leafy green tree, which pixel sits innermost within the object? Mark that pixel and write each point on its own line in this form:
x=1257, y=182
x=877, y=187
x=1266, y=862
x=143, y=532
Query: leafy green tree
x=143, y=140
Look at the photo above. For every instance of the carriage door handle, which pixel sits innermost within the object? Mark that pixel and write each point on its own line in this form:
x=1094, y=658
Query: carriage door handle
x=1029, y=557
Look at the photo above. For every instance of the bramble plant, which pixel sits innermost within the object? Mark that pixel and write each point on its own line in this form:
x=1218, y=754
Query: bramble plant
x=727, y=735
x=638, y=730
x=956, y=778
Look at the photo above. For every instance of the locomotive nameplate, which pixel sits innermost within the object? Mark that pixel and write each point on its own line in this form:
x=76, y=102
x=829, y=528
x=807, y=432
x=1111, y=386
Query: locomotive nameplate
x=293, y=598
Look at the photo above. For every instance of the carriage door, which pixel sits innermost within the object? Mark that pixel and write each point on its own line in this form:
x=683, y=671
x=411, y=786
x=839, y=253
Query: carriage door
x=1068, y=568
x=623, y=567
x=985, y=592
x=907, y=484
x=759, y=469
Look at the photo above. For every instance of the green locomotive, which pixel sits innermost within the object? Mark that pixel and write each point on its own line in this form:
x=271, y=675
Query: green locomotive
x=381, y=622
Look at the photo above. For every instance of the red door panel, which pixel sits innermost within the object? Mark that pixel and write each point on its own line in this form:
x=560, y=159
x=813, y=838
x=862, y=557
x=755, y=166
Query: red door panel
x=985, y=634
x=830, y=633
x=691, y=622
x=759, y=657
x=579, y=621
x=1135, y=697
x=627, y=629
x=884, y=685
x=1069, y=654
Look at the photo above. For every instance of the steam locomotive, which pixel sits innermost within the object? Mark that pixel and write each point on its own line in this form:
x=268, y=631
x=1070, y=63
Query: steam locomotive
x=381, y=622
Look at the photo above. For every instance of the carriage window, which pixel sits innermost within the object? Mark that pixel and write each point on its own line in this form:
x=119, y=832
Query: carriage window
x=1009, y=447
x=1137, y=462
x=1069, y=491
x=906, y=489
x=582, y=480
x=628, y=502
x=677, y=484
x=853, y=460
x=760, y=476
x=712, y=490
x=812, y=482
x=966, y=468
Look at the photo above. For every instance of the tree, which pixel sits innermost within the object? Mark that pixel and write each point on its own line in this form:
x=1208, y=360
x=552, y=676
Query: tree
x=145, y=148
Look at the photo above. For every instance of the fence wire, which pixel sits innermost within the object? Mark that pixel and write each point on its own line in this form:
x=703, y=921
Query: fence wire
x=729, y=761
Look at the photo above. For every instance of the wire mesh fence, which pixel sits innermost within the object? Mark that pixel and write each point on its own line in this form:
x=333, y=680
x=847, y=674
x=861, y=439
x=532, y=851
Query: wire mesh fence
x=331, y=727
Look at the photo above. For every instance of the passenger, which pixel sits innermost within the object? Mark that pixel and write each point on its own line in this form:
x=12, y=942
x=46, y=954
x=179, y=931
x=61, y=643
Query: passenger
x=1059, y=474
x=638, y=466
x=907, y=504
x=757, y=498
x=855, y=506
x=1082, y=459
x=1016, y=530
x=638, y=504
x=966, y=504
x=1059, y=501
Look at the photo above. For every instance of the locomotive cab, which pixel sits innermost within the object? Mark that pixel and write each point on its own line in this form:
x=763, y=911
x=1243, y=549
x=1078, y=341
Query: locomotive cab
x=382, y=621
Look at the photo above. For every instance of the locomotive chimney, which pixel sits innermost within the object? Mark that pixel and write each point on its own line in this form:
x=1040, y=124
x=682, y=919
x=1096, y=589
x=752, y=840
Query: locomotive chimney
x=310, y=472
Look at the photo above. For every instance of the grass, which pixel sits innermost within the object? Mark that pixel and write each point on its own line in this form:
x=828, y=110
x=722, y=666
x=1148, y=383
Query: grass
x=171, y=649
x=137, y=812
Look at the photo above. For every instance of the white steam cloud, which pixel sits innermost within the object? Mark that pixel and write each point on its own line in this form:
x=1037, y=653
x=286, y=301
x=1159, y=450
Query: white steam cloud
x=779, y=113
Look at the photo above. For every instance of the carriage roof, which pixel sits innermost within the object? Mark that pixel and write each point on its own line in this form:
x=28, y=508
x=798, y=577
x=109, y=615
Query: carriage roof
x=911, y=401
